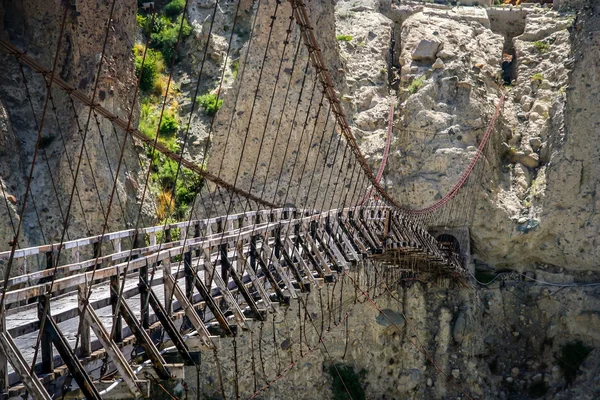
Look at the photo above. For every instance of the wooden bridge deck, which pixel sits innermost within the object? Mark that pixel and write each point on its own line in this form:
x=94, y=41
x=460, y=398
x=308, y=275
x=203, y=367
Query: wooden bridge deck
x=300, y=248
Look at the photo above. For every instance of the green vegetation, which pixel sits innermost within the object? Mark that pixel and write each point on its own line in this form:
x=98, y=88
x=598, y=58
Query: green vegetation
x=174, y=8
x=537, y=77
x=347, y=382
x=152, y=66
x=210, y=102
x=163, y=32
x=344, y=38
x=542, y=47
x=235, y=67
x=572, y=355
x=416, y=84
x=168, y=125
x=174, y=191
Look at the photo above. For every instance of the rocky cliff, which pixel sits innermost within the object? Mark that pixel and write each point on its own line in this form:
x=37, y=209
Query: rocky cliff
x=34, y=26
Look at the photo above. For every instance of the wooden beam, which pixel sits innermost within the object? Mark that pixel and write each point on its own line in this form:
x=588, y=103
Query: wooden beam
x=222, y=285
x=144, y=340
x=252, y=274
x=190, y=313
x=13, y=354
x=68, y=356
x=111, y=348
x=240, y=284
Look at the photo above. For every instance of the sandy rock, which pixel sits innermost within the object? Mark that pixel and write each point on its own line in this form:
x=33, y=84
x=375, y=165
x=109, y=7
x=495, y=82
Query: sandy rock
x=438, y=64
x=426, y=50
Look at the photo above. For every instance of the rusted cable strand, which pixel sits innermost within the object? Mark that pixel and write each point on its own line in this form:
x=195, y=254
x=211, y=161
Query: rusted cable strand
x=386, y=151
x=317, y=59
x=27, y=60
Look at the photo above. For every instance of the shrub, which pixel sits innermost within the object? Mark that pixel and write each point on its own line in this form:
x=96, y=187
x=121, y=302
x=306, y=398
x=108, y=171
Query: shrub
x=164, y=36
x=210, y=103
x=235, y=67
x=152, y=66
x=168, y=124
x=344, y=38
x=165, y=204
x=416, y=84
x=537, y=77
x=174, y=8
x=542, y=47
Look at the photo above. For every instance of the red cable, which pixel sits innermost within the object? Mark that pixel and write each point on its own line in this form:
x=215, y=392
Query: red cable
x=385, y=152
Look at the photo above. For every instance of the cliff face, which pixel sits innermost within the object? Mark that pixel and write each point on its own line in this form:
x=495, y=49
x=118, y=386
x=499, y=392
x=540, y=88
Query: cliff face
x=536, y=203
x=34, y=26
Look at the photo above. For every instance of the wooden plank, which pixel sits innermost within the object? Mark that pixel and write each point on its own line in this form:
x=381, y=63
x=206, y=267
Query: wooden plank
x=31, y=382
x=84, y=327
x=240, y=284
x=70, y=359
x=318, y=255
x=252, y=274
x=144, y=340
x=44, y=315
x=111, y=348
x=117, y=390
x=267, y=272
x=293, y=267
x=300, y=260
x=190, y=313
x=231, y=302
x=3, y=358
x=274, y=259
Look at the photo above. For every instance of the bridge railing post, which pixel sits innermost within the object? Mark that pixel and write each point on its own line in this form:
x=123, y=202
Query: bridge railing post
x=115, y=287
x=46, y=340
x=3, y=358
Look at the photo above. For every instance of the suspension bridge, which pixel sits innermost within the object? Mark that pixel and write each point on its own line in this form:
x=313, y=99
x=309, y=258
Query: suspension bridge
x=123, y=312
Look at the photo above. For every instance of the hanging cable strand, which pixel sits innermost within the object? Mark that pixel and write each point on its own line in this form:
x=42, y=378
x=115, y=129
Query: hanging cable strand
x=15, y=241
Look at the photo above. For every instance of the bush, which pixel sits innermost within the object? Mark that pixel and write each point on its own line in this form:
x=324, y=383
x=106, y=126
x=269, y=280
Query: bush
x=210, y=103
x=537, y=77
x=174, y=8
x=542, y=47
x=152, y=66
x=168, y=124
x=416, y=84
x=235, y=67
x=164, y=36
x=344, y=38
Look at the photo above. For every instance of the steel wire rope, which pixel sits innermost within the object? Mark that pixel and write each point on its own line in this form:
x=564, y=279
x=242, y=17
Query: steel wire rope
x=275, y=85
x=30, y=178
x=43, y=152
x=110, y=170
x=182, y=150
x=69, y=162
x=374, y=304
x=85, y=151
x=47, y=303
x=271, y=103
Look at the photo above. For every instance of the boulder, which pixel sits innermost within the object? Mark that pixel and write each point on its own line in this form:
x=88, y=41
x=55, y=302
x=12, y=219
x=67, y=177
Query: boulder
x=438, y=64
x=426, y=49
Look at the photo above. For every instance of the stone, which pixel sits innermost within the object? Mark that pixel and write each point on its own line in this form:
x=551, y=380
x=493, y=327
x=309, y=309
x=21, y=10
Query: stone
x=426, y=50
x=464, y=84
x=438, y=64
x=429, y=382
x=514, y=372
x=445, y=54
x=536, y=143
x=528, y=160
x=456, y=373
